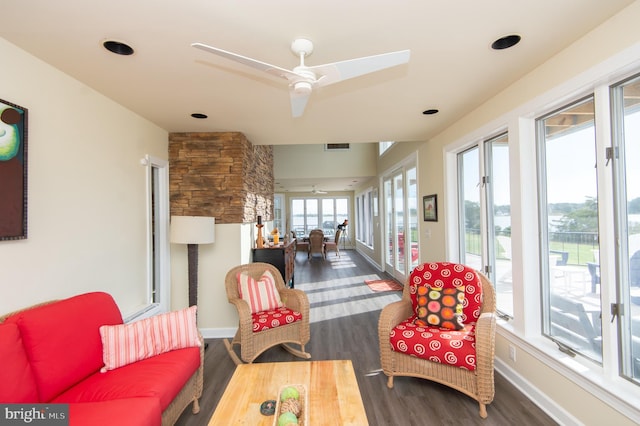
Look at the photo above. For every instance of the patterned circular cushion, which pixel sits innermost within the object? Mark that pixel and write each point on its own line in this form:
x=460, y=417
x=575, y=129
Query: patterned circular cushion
x=274, y=318
x=436, y=344
x=440, y=307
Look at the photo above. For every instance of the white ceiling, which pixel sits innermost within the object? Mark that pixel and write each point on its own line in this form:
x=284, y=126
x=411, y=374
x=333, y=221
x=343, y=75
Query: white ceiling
x=452, y=67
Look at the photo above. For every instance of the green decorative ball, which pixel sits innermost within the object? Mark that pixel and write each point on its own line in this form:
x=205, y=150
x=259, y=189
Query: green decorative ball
x=289, y=392
x=287, y=418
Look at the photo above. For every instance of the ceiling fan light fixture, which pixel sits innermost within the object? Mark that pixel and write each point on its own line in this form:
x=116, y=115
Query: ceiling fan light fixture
x=302, y=87
x=506, y=42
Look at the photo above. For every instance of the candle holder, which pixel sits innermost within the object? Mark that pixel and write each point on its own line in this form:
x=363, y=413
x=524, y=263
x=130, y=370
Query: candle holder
x=260, y=240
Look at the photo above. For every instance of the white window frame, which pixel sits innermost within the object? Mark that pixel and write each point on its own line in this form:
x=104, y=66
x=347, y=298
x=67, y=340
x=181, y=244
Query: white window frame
x=160, y=266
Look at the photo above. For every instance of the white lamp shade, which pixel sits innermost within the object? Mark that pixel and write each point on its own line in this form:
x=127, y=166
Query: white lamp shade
x=192, y=229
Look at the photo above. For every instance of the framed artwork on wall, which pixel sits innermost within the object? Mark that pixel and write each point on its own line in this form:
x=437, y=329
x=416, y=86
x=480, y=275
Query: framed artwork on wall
x=430, y=205
x=13, y=171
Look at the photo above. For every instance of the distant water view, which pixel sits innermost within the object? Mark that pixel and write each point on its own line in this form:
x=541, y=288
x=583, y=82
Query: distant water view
x=505, y=221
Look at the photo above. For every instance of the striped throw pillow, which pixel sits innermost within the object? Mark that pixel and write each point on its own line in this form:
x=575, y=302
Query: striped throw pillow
x=260, y=294
x=127, y=343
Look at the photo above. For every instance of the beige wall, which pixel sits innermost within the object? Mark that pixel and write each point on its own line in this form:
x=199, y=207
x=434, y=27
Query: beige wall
x=295, y=161
x=86, y=200
x=615, y=43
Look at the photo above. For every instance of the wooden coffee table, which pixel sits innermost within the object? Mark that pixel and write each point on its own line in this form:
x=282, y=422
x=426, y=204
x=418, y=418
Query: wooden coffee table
x=333, y=393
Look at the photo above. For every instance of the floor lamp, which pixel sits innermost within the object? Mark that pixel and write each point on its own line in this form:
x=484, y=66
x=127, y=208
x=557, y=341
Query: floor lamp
x=192, y=230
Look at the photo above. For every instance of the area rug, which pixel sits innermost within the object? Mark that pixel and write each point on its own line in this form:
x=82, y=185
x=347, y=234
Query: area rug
x=383, y=285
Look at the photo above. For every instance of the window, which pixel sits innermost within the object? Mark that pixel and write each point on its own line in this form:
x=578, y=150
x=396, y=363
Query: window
x=323, y=213
x=485, y=214
x=625, y=157
x=158, y=290
x=366, y=208
x=400, y=215
x=469, y=205
x=279, y=213
x=568, y=194
x=574, y=292
x=383, y=146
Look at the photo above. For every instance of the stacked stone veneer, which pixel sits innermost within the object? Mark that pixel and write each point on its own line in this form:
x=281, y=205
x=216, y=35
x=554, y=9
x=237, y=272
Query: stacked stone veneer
x=221, y=175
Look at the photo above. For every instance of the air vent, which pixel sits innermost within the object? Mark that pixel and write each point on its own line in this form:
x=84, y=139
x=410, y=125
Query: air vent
x=336, y=147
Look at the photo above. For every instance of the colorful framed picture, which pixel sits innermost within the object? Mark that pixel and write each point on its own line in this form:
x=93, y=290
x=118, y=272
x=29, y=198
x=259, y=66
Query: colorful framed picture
x=430, y=205
x=13, y=171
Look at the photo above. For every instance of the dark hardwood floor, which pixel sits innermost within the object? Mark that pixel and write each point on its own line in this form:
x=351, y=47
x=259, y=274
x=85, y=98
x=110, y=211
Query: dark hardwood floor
x=344, y=320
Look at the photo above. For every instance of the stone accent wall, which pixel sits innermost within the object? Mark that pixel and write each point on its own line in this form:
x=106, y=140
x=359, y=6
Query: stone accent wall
x=221, y=175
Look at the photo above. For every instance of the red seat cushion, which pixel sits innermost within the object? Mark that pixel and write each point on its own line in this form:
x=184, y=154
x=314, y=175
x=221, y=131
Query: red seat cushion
x=161, y=376
x=441, y=345
x=274, y=318
x=17, y=384
x=121, y=412
x=50, y=331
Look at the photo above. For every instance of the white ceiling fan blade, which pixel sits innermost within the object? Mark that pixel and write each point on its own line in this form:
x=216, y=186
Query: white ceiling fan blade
x=343, y=70
x=253, y=63
x=298, y=102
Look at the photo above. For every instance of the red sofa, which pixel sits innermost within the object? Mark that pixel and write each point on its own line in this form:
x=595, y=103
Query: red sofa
x=53, y=353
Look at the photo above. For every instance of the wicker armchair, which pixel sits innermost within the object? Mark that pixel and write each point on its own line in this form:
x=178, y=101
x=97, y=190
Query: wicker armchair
x=405, y=352
x=253, y=343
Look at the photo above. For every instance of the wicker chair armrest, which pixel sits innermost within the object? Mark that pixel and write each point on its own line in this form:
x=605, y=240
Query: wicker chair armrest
x=485, y=341
x=392, y=315
x=244, y=314
x=295, y=300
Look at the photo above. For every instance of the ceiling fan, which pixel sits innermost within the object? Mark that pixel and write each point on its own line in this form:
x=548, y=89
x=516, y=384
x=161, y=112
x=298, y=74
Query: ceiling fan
x=317, y=191
x=303, y=79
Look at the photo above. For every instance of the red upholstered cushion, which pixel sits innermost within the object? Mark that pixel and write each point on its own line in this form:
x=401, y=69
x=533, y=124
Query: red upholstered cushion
x=453, y=347
x=161, y=376
x=121, y=412
x=271, y=319
x=17, y=383
x=450, y=275
x=62, y=339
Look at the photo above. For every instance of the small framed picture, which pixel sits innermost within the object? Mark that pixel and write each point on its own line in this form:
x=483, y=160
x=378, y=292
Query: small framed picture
x=430, y=204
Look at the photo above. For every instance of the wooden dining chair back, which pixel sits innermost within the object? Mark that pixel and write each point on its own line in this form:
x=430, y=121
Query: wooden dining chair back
x=334, y=245
x=316, y=243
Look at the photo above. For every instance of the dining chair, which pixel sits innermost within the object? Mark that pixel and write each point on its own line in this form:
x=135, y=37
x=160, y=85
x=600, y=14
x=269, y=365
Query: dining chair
x=333, y=245
x=316, y=243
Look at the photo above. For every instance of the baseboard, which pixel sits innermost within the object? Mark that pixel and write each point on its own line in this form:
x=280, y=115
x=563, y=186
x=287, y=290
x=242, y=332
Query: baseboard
x=555, y=411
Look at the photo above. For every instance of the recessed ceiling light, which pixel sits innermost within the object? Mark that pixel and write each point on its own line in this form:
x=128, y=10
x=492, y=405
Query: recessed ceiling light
x=506, y=42
x=199, y=115
x=430, y=111
x=118, y=47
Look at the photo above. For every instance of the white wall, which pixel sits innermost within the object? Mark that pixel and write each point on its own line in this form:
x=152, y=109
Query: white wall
x=86, y=190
